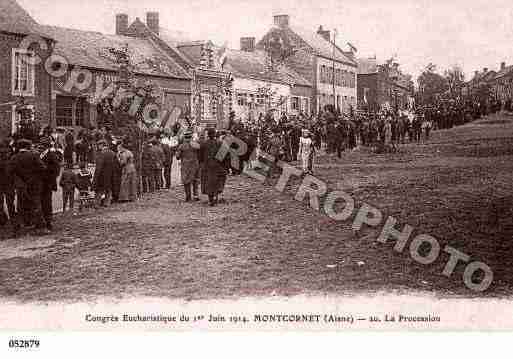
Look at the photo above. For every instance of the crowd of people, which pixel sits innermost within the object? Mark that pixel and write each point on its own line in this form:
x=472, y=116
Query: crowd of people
x=30, y=171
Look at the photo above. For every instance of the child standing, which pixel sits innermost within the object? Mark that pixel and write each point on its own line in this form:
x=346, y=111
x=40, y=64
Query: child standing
x=68, y=183
x=84, y=184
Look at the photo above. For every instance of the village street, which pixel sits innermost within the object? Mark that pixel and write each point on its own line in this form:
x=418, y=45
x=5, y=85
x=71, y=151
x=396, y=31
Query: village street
x=456, y=187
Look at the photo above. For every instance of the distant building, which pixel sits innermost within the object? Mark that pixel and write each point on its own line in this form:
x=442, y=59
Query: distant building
x=259, y=88
x=210, y=96
x=382, y=86
x=480, y=85
x=22, y=78
x=75, y=107
x=502, y=83
x=314, y=56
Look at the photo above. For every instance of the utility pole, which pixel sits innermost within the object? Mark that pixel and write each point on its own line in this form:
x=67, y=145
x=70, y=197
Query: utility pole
x=334, y=87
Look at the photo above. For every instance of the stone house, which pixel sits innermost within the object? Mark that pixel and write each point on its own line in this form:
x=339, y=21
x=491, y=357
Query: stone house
x=313, y=55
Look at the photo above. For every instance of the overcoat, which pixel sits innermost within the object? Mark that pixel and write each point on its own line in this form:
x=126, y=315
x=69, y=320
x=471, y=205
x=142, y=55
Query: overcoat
x=187, y=152
x=214, y=172
x=104, y=171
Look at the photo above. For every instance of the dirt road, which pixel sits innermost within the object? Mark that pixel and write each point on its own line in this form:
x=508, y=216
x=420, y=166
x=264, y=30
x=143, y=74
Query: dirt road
x=457, y=187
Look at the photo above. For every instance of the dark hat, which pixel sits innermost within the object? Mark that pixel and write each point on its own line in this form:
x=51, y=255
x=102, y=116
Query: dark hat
x=211, y=132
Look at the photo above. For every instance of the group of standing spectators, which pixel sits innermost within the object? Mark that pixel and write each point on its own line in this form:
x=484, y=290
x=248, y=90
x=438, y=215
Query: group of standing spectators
x=28, y=177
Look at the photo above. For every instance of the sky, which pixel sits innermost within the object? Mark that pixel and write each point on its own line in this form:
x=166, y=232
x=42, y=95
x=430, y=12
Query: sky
x=473, y=34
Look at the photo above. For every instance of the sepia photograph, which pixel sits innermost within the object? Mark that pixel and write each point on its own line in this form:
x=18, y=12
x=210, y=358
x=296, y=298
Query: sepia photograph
x=209, y=165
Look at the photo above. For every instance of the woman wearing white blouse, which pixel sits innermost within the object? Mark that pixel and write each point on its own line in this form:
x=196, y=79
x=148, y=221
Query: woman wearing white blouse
x=306, y=152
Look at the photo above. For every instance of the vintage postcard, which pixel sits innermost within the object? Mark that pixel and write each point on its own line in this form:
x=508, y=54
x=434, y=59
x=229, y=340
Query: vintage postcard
x=272, y=165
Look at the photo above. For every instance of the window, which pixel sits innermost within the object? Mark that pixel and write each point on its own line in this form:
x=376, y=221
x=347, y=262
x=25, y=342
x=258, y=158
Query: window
x=295, y=104
x=64, y=111
x=242, y=99
x=71, y=111
x=80, y=108
x=260, y=99
x=306, y=106
x=15, y=118
x=23, y=73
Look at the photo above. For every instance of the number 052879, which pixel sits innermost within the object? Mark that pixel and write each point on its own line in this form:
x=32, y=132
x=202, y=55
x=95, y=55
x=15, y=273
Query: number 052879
x=23, y=343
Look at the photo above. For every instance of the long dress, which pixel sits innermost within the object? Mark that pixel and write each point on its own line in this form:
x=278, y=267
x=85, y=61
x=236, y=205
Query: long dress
x=128, y=188
x=214, y=172
x=306, y=153
x=388, y=133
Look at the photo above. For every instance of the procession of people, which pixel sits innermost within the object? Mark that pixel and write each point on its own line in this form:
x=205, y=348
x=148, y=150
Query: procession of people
x=104, y=169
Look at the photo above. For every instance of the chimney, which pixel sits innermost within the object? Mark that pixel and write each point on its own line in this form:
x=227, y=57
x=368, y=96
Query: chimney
x=324, y=33
x=247, y=44
x=503, y=65
x=152, y=21
x=281, y=20
x=121, y=24
x=485, y=70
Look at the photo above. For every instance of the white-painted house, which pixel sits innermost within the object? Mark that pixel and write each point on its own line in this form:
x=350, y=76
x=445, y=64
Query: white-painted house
x=258, y=88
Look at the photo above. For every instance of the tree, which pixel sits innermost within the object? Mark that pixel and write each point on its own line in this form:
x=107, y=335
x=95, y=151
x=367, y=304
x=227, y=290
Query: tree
x=455, y=80
x=431, y=84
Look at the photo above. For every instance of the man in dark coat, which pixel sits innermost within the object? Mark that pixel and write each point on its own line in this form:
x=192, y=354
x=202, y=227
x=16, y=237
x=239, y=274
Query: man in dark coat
x=6, y=183
x=158, y=158
x=52, y=159
x=148, y=168
x=28, y=171
x=69, y=147
x=103, y=174
x=169, y=145
x=213, y=171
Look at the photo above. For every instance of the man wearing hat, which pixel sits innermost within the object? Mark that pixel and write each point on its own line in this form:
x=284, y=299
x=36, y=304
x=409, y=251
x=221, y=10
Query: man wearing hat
x=52, y=159
x=187, y=152
x=103, y=174
x=213, y=172
x=28, y=171
x=6, y=183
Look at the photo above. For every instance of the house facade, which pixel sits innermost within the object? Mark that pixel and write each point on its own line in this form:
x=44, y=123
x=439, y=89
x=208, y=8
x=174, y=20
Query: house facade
x=382, y=86
x=210, y=100
x=502, y=84
x=313, y=55
x=25, y=82
x=93, y=69
x=259, y=87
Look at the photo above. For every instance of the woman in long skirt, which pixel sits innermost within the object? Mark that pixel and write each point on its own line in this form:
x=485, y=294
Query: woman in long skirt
x=306, y=152
x=128, y=188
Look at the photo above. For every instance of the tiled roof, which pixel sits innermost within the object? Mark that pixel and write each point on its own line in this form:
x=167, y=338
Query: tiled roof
x=192, y=52
x=320, y=45
x=253, y=65
x=504, y=72
x=489, y=75
x=91, y=49
x=189, y=49
x=173, y=37
x=14, y=19
x=367, y=66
